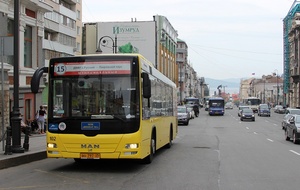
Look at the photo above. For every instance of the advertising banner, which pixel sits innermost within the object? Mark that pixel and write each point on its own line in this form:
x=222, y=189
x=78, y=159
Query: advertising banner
x=128, y=37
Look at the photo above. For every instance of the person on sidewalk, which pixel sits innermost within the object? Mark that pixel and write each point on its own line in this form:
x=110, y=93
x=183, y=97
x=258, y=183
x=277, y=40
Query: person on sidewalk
x=24, y=126
x=41, y=119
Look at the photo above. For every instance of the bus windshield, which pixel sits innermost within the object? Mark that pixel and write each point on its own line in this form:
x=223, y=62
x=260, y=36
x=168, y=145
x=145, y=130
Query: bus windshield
x=252, y=101
x=93, y=96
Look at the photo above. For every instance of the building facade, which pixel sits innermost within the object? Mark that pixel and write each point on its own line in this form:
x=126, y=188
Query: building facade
x=268, y=88
x=294, y=81
x=47, y=29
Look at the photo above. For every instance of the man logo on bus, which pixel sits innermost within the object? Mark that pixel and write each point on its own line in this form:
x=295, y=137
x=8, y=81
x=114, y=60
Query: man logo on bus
x=90, y=146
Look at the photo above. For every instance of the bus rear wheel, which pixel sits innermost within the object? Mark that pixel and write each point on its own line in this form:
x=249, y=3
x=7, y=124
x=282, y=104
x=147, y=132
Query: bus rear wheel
x=170, y=139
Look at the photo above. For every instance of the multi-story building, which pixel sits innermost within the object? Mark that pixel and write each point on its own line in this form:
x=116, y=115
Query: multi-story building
x=31, y=32
x=181, y=60
x=47, y=29
x=189, y=84
x=62, y=32
x=294, y=72
x=269, y=89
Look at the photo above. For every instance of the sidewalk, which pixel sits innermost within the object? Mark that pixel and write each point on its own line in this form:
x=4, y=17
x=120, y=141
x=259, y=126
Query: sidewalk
x=37, y=151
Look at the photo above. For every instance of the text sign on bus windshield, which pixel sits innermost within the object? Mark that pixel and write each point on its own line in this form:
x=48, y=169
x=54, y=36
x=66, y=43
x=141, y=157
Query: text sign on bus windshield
x=92, y=68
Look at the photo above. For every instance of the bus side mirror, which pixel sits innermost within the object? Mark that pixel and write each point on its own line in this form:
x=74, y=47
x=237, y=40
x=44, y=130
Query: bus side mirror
x=35, y=80
x=146, y=85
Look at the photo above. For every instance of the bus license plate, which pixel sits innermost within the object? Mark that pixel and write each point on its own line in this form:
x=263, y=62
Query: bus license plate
x=89, y=155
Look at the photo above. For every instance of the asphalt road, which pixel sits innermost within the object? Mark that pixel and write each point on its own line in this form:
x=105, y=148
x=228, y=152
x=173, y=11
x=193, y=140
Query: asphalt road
x=211, y=153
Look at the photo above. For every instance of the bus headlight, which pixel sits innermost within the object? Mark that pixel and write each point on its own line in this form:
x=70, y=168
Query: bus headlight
x=131, y=146
x=51, y=145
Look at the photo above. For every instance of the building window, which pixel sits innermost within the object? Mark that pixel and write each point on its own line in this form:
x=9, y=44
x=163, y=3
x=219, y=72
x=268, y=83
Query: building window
x=78, y=46
x=28, y=47
x=27, y=109
x=10, y=32
x=30, y=13
x=78, y=30
x=78, y=14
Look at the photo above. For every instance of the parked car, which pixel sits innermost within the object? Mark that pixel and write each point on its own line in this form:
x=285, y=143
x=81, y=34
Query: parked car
x=285, y=120
x=293, y=129
x=279, y=109
x=241, y=108
x=292, y=111
x=263, y=110
x=247, y=114
x=183, y=116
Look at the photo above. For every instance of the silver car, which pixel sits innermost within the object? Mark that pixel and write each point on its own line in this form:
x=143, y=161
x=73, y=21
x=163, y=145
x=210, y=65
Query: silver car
x=293, y=129
x=183, y=115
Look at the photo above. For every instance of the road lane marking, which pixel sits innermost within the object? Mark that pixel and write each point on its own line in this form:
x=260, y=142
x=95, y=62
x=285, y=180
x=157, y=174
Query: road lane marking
x=295, y=152
x=270, y=140
x=247, y=127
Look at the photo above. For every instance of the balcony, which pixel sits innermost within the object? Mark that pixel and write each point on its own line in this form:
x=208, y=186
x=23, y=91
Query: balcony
x=55, y=46
x=67, y=12
x=181, y=50
x=51, y=25
x=295, y=75
x=180, y=59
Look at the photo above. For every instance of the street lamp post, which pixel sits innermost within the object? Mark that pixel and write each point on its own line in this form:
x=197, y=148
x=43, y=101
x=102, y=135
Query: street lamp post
x=15, y=119
x=277, y=87
x=104, y=43
x=264, y=91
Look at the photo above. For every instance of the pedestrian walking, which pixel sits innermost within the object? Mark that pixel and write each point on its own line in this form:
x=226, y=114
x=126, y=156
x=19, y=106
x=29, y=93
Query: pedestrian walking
x=41, y=119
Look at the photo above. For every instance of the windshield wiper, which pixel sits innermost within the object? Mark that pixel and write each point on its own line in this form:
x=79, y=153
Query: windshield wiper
x=119, y=118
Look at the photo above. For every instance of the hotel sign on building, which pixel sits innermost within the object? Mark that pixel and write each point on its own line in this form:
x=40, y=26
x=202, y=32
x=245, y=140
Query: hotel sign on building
x=128, y=37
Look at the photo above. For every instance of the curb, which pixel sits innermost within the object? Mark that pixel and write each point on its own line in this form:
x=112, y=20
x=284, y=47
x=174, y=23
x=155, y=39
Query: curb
x=23, y=159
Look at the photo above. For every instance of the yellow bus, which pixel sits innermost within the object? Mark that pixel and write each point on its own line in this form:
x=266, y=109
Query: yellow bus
x=100, y=107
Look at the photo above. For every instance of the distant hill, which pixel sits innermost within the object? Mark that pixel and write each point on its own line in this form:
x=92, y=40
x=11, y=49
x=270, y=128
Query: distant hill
x=232, y=85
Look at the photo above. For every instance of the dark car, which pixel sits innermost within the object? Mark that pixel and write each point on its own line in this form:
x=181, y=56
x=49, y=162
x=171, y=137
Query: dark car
x=263, y=110
x=293, y=129
x=241, y=108
x=279, y=109
x=247, y=114
x=285, y=120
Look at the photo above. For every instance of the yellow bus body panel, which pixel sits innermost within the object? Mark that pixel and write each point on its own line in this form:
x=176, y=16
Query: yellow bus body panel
x=112, y=146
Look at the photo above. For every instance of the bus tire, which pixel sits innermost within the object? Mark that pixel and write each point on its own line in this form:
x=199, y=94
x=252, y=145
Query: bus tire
x=169, y=145
x=150, y=157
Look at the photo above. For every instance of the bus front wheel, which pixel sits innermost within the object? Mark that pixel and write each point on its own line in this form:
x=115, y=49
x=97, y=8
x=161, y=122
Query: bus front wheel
x=150, y=157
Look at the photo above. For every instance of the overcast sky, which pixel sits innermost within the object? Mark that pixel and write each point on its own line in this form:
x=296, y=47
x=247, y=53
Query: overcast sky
x=226, y=39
